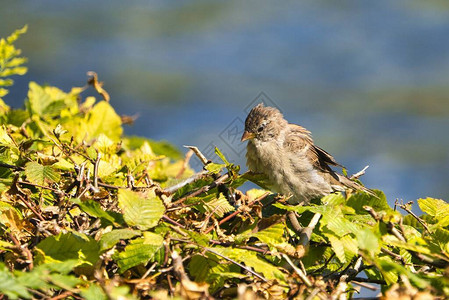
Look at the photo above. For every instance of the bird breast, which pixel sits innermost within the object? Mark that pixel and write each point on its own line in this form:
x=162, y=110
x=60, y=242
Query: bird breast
x=288, y=173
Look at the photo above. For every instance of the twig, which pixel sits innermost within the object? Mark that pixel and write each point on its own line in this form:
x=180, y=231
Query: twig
x=394, y=255
x=238, y=264
x=198, y=153
x=346, y=277
x=172, y=221
x=306, y=233
x=63, y=295
x=421, y=221
x=185, y=163
x=189, y=285
x=149, y=270
x=98, y=86
x=368, y=280
x=298, y=271
x=31, y=207
x=16, y=168
x=260, y=198
x=371, y=211
x=204, y=189
x=96, y=165
x=40, y=186
x=172, y=189
x=365, y=285
x=25, y=251
x=294, y=221
x=359, y=173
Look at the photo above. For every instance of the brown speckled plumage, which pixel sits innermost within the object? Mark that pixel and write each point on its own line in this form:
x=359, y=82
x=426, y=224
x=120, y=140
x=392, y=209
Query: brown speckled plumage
x=286, y=154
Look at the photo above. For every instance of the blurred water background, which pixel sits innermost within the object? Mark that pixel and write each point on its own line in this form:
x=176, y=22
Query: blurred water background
x=368, y=78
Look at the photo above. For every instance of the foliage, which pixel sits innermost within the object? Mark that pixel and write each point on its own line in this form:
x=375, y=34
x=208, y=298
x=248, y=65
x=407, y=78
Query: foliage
x=88, y=212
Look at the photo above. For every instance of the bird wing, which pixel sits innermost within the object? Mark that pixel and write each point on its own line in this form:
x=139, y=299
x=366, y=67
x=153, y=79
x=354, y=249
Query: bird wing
x=301, y=138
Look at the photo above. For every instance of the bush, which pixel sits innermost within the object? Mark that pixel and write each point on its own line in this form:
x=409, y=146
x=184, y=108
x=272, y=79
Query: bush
x=88, y=212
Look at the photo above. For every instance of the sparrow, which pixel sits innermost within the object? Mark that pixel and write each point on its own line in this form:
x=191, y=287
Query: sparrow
x=286, y=154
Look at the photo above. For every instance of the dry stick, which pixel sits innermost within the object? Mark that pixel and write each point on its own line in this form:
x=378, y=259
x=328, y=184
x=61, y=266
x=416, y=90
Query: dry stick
x=394, y=255
x=365, y=285
x=313, y=294
x=347, y=276
x=198, y=153
x=31, y=207
x=169, y=220
x=294, y=221
x=63, y=295
x=298, y=271
x=238, y=264
x=149, y=270
x=404, y=207
x=376, y=281
x=97, y=163
x=25, y=251
x=237, y=211
x=61, y=147
x=204, y=189
x=185, y=163
x=194, y=177
x=39, y=186
x=98, y=85
x=359, y=173
x=306, y=233
x=16, y=168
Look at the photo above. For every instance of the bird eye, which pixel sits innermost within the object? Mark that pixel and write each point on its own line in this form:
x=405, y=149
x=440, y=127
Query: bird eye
x=260, y=128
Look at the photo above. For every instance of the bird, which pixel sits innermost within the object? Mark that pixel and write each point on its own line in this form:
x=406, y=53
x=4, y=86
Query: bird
x=286, y=154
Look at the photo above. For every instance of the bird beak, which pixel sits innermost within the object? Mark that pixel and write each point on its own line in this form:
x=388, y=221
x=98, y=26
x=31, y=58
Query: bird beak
x=247, y=135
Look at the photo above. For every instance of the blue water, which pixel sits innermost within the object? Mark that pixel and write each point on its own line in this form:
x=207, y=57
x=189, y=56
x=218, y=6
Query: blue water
x=368, y=78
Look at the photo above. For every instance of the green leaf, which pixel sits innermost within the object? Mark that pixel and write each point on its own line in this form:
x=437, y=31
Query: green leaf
x=333, y=199
x=66, y=246
x=103, y=119
x=39, y=174
x=94, y=209
x=144, y=213
x=108, y=240
x=430, y=205
x=93, y=292
x=221, y=156
x=48, y=101
x=214, y=168
x=359, y=200
x=251, y=259
x=338, y=224
x=158, y=147
x=273, y=235
x=10, y=286
x=338, y=247
x=219, y=206
x=140, y=251
x=207, y=269
x=368, y=240
x=437, y=208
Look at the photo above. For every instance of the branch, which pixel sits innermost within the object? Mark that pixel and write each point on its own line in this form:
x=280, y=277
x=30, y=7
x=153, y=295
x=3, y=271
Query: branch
x=298, y=271
x=306, y=233
x=237, y=211
x=359, y=173
x=172, y=189
x=204, y=189
x=421, y=221
x=198, y=153
x=238, y=264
